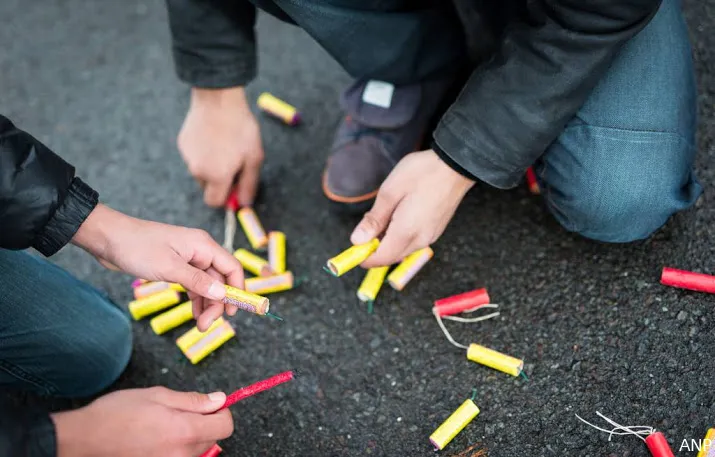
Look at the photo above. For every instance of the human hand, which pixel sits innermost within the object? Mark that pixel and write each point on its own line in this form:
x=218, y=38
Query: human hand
x=412, y=207
x=221, y=139
x=161, y=252
x=153, y=421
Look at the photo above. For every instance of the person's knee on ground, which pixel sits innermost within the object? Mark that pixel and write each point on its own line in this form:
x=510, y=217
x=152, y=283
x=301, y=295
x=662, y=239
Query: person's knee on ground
x=60, y=335
x=622, y=185
x=624, y=164
x=100, y=354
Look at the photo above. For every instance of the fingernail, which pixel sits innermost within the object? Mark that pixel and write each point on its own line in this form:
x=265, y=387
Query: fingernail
x=216, y=397
x=217, y=291
x=360, y=236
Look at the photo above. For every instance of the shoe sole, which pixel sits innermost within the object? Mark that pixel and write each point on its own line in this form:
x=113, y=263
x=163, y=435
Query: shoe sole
x=348, y=205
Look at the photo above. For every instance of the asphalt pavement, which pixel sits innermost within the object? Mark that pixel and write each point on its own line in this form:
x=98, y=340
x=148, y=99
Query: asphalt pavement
x=95, y=81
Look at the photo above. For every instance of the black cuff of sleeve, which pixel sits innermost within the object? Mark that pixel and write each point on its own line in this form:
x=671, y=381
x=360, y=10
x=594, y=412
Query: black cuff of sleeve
x=26, y=431
x=42, y=436
x=225, y=76
x=64, y=223
x=451, y=163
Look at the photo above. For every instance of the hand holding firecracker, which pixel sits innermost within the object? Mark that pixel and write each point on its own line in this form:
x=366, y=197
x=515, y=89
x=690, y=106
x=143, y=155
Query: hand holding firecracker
x=221, y=140
x=144, y=422
x=412, y=207
x=161, y=252
x=250, y=391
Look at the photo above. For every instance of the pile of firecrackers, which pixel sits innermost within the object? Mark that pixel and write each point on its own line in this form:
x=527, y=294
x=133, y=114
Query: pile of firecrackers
x=271, y=276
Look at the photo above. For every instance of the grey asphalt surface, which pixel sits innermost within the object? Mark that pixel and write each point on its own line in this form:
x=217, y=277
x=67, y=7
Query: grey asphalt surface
x=95, y=81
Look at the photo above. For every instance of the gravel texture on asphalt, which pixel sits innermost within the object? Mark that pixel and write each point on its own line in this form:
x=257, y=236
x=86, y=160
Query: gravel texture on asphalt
x=95, y=81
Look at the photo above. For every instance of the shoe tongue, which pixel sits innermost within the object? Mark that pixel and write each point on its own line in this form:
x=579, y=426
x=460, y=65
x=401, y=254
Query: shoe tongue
x=381, y=105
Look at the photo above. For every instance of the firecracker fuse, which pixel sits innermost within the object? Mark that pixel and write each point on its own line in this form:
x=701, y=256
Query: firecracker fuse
x=171, y=319
x=351, y=257
x=149, y=305
x=277, y=251
x=252, y=228
x=656, y=441
x=405, y=271
x=251, y=262
x=278, y=108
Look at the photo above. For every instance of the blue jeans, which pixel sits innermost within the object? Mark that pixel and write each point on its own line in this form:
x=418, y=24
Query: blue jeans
x=58, y=335
x=622, y=166
x=624, y=163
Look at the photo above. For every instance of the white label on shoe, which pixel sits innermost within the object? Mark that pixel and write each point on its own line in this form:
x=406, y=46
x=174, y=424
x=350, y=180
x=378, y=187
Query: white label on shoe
x=378, y=93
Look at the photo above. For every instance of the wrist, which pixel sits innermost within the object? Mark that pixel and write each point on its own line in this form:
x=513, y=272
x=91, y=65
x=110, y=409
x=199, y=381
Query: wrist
x=447, y=160
x=94, y=234
x=226, y=97
x=461, y=180
x=73, y=434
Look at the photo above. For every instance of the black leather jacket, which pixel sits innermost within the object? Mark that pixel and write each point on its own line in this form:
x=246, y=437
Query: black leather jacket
x=540, y=60
x=42, y=204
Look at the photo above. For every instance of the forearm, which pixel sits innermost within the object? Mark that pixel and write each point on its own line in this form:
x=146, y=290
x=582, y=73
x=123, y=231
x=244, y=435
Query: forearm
x=516, y=105
x=213, y=42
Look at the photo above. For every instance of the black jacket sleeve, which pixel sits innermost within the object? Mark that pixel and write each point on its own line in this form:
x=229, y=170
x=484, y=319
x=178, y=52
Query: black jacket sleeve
x=42, y=203
x=514, y=106
x=26, y=433
x=213, y=42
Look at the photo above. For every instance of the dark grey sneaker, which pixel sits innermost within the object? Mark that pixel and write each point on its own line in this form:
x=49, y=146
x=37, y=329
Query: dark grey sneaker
x=383, y=123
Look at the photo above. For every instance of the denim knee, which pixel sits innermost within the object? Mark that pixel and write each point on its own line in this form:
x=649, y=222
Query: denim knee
x=617, y=185
x=612, y=215
x=100, y=351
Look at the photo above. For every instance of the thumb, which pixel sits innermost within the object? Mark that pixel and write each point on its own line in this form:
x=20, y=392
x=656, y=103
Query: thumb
x=192, y=402
x=199, y=282
x=375, y=221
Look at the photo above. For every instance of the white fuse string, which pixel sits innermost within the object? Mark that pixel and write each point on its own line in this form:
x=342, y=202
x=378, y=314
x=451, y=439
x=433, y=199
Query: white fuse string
x=638, y=430
x=462, y=319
